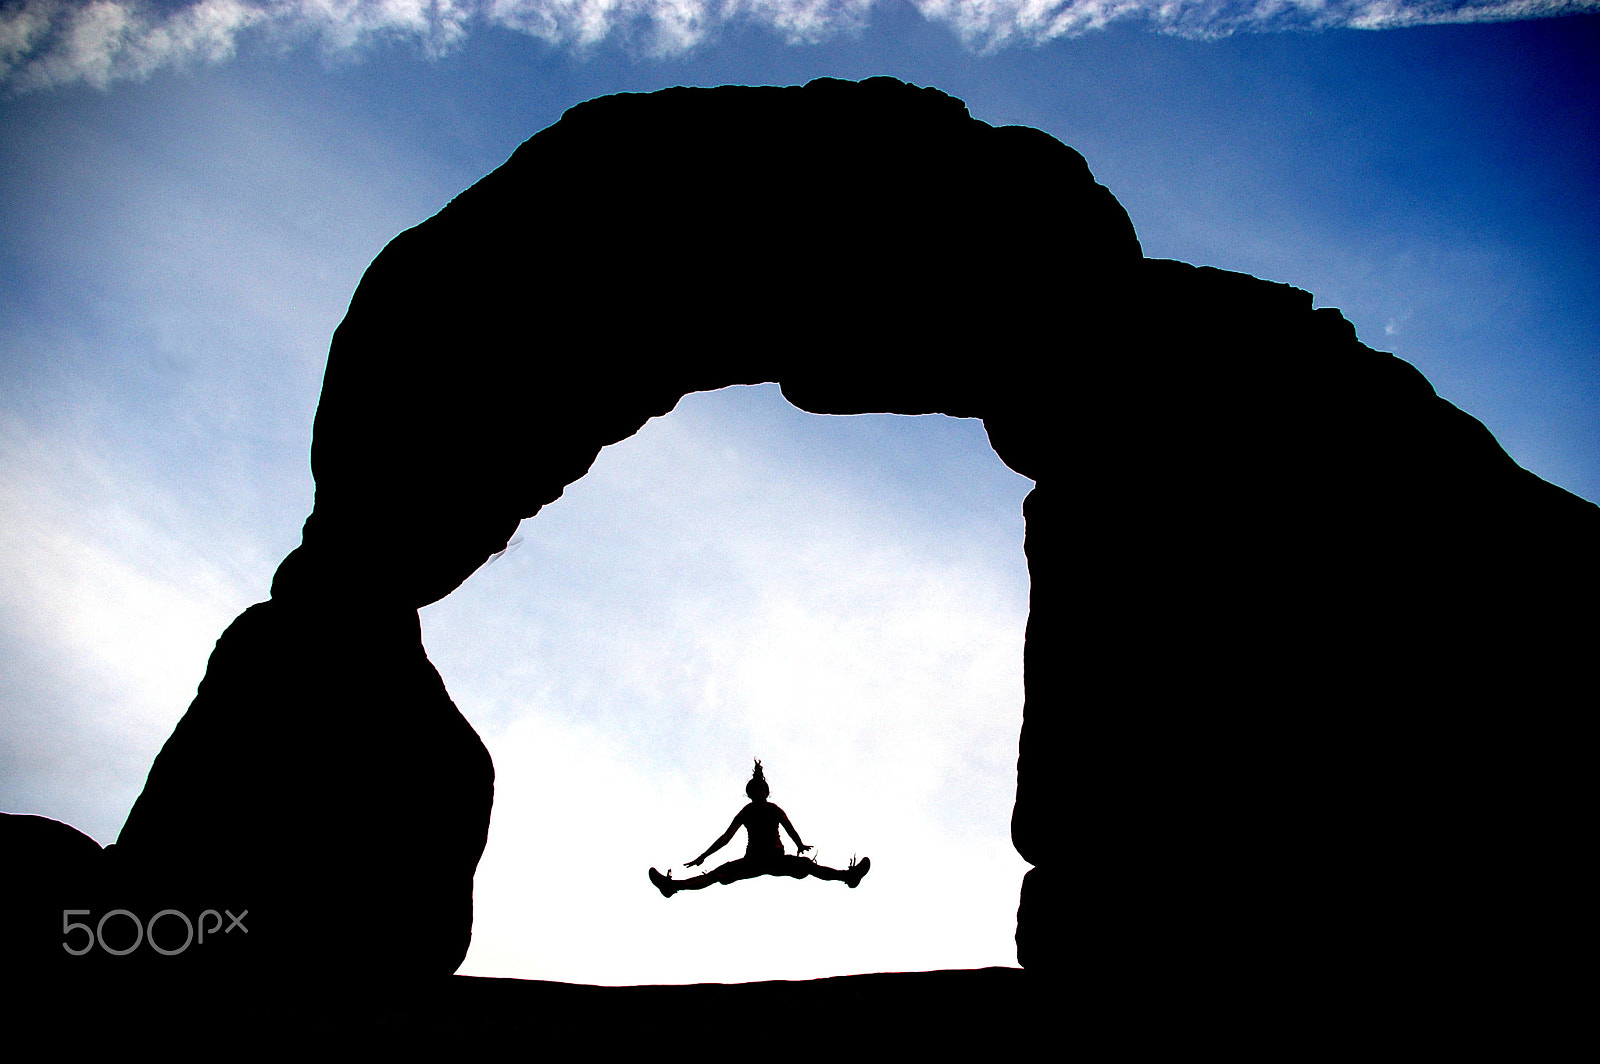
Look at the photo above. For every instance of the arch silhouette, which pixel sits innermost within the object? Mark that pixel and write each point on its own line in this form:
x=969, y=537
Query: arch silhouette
x=1218, y=644
x=649, y=246
x=646, y=247
x=643, y=248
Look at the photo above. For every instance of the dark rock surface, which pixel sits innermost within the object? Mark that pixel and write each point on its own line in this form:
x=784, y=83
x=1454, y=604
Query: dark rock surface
x=324, y=782
x=1318, y=662
x=839, y=238
x=953, y=1013
x=46, y=867
x=1301, y=635
x=943, y=1014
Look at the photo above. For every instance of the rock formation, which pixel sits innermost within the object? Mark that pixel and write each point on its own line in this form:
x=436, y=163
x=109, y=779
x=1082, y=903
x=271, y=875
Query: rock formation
x=323, y=781
x=1296, y=634
x=49, y=868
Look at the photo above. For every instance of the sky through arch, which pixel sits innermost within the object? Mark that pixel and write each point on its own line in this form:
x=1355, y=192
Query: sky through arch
x=842, y=597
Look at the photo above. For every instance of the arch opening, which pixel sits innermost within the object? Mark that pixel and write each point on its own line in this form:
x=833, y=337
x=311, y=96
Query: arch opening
x=844, y=597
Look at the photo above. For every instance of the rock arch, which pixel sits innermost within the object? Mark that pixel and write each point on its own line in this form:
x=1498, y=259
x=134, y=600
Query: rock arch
x=1226, y=624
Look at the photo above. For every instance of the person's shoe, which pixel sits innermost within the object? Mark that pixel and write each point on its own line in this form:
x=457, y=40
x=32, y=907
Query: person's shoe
x=853, y=874
x=665, y=884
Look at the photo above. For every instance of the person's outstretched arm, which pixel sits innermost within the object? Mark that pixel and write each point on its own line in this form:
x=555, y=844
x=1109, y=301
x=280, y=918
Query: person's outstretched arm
x=783, y=818
x=721, y=841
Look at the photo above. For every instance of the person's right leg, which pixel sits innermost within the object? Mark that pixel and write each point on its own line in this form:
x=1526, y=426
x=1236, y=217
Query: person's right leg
x=732, y=872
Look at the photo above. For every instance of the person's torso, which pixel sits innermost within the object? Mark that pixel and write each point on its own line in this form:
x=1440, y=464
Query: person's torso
x=761, y=830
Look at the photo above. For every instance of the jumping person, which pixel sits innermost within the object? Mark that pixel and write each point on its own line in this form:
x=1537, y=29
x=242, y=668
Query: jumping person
x=763, y=854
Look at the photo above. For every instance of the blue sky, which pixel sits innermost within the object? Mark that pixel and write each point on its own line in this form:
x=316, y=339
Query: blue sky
x=190, y=193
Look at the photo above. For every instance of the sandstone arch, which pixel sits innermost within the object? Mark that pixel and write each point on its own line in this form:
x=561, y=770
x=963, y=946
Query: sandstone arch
x=1226, y=622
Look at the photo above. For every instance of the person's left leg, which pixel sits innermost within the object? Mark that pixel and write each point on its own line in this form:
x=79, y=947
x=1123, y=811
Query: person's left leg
x=800, y=867
x=797, y=867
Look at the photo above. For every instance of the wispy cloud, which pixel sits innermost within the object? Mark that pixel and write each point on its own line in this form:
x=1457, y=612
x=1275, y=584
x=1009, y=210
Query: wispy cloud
x=45, y=43
x=53, y=42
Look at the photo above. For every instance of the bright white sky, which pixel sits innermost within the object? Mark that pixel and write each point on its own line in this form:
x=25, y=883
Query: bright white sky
x=841, y=597
x=190, y=193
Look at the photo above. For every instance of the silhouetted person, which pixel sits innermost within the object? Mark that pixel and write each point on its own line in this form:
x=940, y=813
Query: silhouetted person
x=763, y=854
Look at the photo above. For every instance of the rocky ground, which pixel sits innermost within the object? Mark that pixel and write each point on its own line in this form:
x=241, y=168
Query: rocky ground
x=953, y=1012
